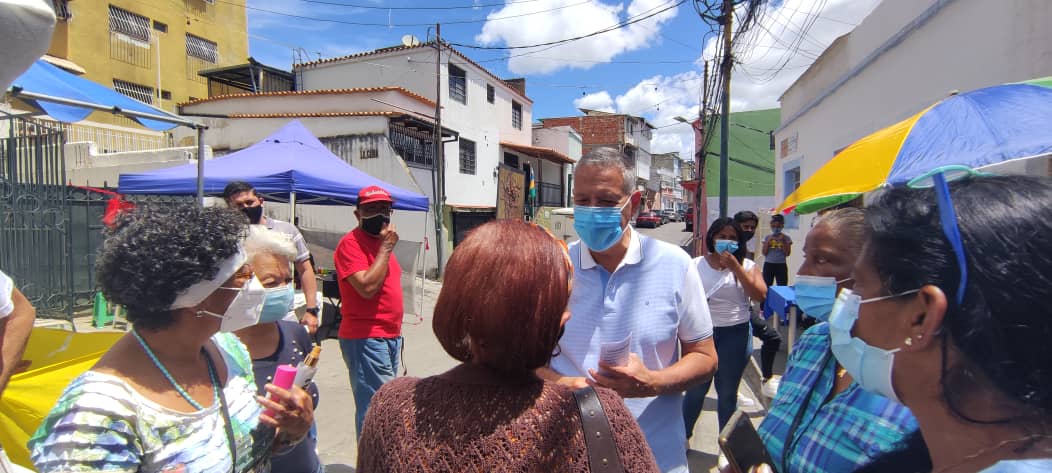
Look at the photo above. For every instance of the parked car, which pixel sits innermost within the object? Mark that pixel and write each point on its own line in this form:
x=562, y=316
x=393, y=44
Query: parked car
x=648, y=220
x=670, y=215
x=689, y=218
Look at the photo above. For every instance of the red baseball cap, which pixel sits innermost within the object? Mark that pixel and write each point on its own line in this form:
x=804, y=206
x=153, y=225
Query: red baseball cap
x=373, y=194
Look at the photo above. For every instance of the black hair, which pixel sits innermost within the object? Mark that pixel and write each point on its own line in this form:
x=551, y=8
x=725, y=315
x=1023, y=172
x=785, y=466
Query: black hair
x=157, y=251
x=746, y=216
x=237, y=187
x=718, y=225
x=1002, y=327
x=778, y=218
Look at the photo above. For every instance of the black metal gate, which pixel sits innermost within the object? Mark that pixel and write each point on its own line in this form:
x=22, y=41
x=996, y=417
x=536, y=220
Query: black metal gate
x=35, y=244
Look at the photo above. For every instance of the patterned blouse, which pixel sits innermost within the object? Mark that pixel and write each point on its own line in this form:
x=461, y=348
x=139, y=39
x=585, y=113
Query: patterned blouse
x=102, y=423
x=848, y=432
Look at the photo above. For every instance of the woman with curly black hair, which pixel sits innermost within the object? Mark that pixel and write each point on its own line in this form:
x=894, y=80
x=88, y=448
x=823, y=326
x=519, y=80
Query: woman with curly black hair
x=949, y=316
x=177, y=393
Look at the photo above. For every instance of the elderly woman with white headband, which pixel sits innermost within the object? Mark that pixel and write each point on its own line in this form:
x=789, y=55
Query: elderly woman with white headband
x=275, y=341
x=178, y=392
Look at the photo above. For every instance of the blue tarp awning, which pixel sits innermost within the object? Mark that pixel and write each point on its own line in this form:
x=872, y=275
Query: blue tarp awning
x=289, y=161
x=44, y=81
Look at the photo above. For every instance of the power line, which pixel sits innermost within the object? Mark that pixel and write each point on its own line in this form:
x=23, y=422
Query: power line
x=400, y=25
x=379, y=7
x=620, y=25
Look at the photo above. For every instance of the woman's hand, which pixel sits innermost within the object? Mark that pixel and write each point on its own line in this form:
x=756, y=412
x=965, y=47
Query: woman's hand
x=293, y=412
x=727, y=260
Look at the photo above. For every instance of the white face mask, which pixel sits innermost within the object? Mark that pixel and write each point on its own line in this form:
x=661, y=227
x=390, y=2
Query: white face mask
x=245, y=309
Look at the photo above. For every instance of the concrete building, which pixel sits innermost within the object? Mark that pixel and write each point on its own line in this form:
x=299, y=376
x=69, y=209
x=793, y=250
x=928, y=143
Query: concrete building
x=750, y=165
x=378, y=130
x=626, y=133
x=666, y=170
x=490, y=116
x=150, y=51
x=903, y=57
x=555, y=186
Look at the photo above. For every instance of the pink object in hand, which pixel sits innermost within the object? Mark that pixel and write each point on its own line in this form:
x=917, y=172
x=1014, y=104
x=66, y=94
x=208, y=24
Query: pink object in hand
x=283, y=378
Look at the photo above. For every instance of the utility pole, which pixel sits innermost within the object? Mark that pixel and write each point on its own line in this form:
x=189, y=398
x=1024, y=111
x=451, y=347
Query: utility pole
x=725, y=119
x=438, y=167
x=701, y=212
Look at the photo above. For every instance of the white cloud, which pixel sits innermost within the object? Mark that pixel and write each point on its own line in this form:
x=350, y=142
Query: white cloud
x=569, y=19
x=600, y=101
x=756, y=82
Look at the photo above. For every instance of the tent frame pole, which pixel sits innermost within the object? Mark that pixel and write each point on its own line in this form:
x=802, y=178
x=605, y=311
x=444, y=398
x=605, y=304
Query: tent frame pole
x=201, y=166
x=20, y=93
x=292, y=208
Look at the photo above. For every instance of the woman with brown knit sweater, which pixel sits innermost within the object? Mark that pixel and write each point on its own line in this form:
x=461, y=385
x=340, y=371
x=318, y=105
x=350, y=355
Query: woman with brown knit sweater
x=500, y=312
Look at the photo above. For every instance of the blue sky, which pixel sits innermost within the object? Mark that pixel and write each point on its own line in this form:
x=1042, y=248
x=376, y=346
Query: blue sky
x=651, y=68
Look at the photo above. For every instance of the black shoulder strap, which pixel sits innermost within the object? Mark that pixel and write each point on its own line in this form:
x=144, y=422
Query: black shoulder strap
x=598, y=438
x=231, y=443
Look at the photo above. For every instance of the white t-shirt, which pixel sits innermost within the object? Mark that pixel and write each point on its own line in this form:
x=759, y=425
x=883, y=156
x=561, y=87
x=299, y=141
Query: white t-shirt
x=728, y=304
x=7, y=287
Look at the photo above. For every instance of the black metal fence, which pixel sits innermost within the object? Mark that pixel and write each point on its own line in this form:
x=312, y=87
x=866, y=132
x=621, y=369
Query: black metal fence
x=35, y=217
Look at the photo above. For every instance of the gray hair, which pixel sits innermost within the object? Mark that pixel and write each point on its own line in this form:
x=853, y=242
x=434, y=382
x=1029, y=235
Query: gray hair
x=606, y=157
x=262, y=240
x=848, y=225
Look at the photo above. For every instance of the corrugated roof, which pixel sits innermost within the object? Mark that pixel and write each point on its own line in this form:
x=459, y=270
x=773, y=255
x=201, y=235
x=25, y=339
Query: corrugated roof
x=429, y=45
x=283, y=93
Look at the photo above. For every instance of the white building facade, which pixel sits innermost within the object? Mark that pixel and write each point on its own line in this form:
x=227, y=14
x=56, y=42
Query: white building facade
x=903, y=57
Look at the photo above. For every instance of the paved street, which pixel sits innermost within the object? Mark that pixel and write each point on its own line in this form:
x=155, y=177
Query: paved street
x=425, y=357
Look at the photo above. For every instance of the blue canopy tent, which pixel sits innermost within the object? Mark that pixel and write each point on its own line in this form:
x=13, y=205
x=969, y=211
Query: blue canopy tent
x=289, y=164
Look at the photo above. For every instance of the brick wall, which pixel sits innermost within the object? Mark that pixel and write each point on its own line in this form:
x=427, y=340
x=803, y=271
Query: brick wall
x=594, y=131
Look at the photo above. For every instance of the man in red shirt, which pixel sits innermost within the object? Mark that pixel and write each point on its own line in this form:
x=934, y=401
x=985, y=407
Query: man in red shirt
x=371, y=293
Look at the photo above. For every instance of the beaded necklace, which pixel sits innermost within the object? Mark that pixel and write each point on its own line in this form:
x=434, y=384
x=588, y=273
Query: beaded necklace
x=167, y=375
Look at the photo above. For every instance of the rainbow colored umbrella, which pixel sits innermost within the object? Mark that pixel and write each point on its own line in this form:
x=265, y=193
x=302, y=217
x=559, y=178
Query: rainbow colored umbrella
x=975, y=129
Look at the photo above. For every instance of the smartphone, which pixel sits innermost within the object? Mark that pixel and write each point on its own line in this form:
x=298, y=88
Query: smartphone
x=742, y=445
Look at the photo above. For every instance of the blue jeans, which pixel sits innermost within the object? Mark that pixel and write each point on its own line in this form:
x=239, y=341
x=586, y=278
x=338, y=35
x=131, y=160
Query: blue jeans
x=371, y=362
x=733, y=348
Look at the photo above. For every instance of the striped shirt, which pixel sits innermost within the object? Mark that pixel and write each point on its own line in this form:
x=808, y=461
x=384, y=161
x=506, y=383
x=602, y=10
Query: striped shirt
x=851, y=430
x=101, y=423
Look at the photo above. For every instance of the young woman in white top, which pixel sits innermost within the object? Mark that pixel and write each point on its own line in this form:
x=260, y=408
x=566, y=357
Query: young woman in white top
x=730, y=280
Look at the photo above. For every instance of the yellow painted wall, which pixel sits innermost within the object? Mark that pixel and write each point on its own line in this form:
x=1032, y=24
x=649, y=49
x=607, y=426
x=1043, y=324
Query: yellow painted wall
x=86, y=40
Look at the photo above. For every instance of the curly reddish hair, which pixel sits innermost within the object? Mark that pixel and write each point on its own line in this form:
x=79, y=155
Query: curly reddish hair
x=506, y=288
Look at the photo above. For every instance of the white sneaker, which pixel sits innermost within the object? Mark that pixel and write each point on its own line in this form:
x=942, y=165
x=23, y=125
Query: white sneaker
x=770, y=388
x=744, y=401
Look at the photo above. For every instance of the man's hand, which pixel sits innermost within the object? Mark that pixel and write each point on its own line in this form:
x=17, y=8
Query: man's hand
x=631, y=380
x=310, y=322
x=389, y=236
x=572, y=382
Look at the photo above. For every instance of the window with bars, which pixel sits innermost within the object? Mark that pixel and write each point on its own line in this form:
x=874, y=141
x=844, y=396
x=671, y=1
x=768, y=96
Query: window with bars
x=62, y=11
x=130, y=24
x=416, y=148
x=201, y=54
x=467, y=156
x=516, y=115
x=491, y=93
x=458, y=84
x=138, y=92
x=202, y=48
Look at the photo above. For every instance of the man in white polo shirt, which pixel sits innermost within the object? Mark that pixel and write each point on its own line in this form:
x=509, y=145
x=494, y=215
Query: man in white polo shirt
x=639, y=319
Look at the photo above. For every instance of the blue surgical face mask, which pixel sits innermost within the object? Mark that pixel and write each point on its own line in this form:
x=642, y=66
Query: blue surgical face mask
x=776, y=230
x=277, y=303
x=598, y=227
x=815, y=295
x=730, y=246
x=870, y=366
